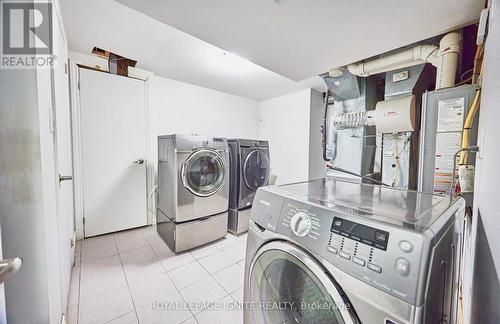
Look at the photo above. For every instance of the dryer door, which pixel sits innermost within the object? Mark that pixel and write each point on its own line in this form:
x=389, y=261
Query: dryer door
x=256, y=169
x=204, y=172
x=288, y=286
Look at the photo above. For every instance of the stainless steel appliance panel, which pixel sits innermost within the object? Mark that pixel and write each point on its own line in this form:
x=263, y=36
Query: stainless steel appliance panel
x=167, y=177
x=438, y=144
x=192, y=190
x=238, y=220
x=382, y=246
x=191, y=206
x=185, y=236
x=370, y=304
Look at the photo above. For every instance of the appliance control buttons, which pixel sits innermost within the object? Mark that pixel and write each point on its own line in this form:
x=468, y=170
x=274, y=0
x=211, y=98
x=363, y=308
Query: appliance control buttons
x=381, y=236
x=405, y=246
x=301, y=224
x=344, y=255
x=374, y=267
x=333, y=250
x=402, y=267
x=359, y=261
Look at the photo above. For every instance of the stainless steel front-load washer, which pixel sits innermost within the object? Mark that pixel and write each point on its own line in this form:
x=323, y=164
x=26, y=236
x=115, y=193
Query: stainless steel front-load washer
x=340, y=251
x=193, y=190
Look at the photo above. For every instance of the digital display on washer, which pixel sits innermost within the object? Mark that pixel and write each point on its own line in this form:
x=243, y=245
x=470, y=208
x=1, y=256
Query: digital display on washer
x=361, y=233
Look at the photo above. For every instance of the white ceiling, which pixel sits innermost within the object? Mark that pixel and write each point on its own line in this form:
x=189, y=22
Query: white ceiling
x=301, y=39
x=169, y=52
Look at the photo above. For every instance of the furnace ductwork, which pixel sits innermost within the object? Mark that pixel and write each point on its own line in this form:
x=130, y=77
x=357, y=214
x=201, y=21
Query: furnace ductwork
x=444, y=57
x=418, y=55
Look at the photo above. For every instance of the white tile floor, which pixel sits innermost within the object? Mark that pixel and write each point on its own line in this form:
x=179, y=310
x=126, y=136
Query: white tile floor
x=133, y=277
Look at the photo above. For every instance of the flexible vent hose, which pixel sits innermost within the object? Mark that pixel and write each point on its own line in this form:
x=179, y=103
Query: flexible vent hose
x=350, y=120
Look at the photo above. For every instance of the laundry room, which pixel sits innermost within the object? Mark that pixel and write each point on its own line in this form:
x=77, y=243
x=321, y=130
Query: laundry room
x=249, y=162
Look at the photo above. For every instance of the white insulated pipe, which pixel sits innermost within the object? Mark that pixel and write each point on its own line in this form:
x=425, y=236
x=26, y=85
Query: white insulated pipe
x=445, y=58
x=417, y=55
x=449, y=47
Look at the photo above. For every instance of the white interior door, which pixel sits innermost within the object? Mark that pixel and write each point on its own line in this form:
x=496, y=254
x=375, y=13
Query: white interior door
x=64, y=160
x=113, y=146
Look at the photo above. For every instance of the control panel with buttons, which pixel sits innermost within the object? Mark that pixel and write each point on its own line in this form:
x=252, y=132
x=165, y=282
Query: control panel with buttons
x=361, y=233
x=366, y=251
x=383, y=257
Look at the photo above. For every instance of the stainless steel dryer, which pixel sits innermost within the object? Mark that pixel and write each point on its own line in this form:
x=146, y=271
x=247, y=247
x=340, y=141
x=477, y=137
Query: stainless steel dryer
x=339, y=251
x=193, y=190
x=250, y=169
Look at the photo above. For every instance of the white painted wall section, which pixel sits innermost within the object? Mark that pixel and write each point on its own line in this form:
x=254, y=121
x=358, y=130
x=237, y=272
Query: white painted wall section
x=284, y=122
x=317, y=111
x=181, y=108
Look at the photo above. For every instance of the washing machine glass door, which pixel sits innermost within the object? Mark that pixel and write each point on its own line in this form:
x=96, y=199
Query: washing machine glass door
x=288, y=286
x=256, y=169
x=204, y=172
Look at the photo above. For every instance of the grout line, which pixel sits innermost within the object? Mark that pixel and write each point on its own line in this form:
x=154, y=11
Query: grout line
x=216, y=271
x=126, y=279
x=229, y=293
x=124, y=274
x=158, y=260
x=128, y=286
x=123, y=316
x=192, y=317
x=179, y=292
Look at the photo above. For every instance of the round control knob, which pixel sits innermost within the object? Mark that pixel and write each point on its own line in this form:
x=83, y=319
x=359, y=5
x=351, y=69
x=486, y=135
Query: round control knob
x=300, y=224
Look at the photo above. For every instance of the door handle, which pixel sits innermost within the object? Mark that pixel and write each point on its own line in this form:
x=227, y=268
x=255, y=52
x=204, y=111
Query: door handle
x=65, y=178
x=140, y=161
x=9, y=267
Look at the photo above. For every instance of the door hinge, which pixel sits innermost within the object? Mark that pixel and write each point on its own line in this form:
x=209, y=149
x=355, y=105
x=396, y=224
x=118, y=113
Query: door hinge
x=78, y=85
x=65, y=68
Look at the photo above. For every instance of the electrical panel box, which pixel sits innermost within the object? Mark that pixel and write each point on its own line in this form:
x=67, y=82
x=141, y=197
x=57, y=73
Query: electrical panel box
x=443, y=116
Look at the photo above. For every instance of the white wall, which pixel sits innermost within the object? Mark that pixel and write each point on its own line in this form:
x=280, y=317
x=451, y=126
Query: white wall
x=317, y=111
x=284, y=122
x=486, y=220
x=177, y=107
